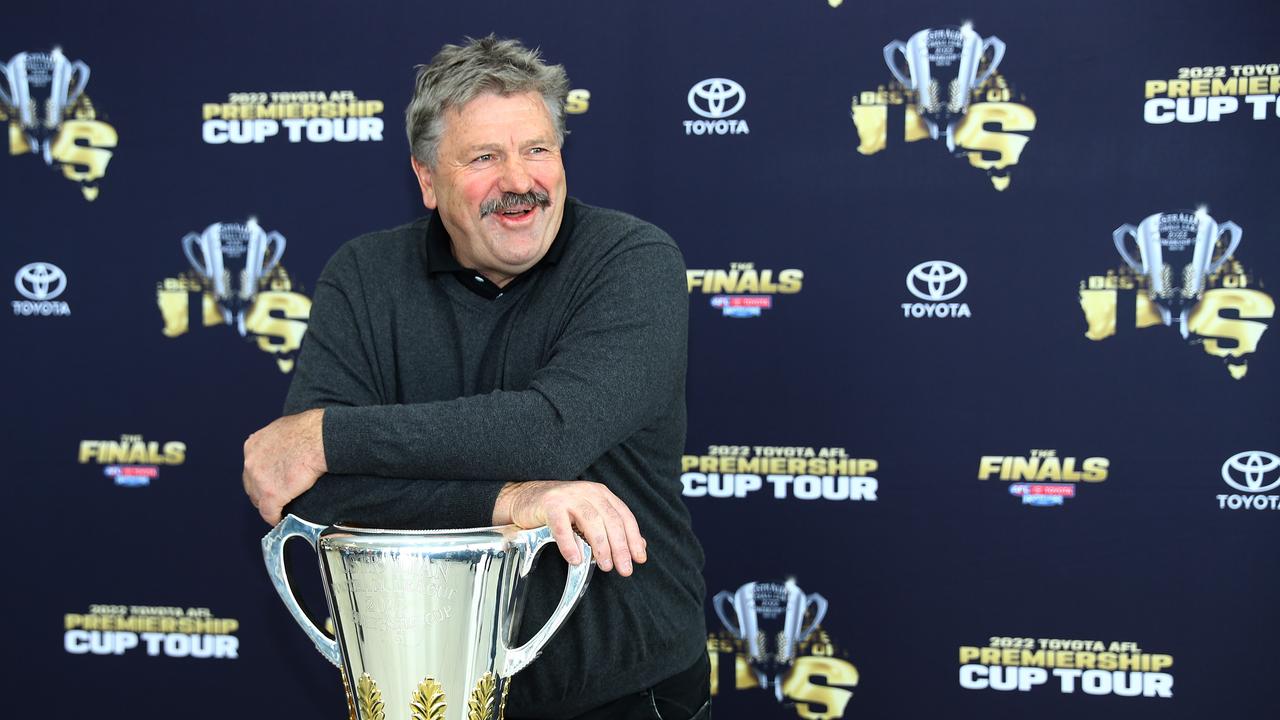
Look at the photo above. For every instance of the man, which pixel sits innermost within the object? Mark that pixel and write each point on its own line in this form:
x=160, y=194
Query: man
x=517, y=357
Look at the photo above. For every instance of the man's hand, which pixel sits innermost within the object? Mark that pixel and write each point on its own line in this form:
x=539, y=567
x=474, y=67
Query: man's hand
x=282, y=461
x=604, y=521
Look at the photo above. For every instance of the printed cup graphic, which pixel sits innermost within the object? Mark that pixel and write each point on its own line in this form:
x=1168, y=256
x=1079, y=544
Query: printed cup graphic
x=769, y=618
x=942, y=69
x=1175, y=252
x=39, y=88
x=233, y=258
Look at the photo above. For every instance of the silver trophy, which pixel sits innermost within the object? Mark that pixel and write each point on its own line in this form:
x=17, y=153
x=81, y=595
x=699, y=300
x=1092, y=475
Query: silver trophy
x=38, y=89
x=769, y=618
x=942, y=70
x=424, y=619
x=1176, y=251
x=233, y=258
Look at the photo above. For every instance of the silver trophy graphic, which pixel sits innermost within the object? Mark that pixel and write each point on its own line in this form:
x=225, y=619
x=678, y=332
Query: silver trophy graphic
x=942, y=70
x=39, y=88
x=425, y=619
x=1176, y=254
x=769, y=618
x=233, y=258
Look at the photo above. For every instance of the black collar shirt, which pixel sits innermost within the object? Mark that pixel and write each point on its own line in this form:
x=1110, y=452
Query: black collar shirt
x=440, y=258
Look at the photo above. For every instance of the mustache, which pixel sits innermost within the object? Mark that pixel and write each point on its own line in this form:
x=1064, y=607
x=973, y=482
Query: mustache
x=510, y=201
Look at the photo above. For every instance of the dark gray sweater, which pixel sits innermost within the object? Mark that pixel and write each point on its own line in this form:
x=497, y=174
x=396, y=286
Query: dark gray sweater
x=435, y=396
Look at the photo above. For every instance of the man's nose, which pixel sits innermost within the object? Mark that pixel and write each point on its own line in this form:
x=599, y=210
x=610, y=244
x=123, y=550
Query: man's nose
x=515, y=176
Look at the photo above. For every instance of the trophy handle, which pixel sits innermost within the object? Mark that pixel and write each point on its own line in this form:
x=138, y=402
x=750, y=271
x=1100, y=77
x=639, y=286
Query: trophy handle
x=889, y=50
x=1236, y=233
x=574, y=586
x=273, y=554
x=819, y=613
x=274, y=239
x=719, y=601
x=6, y=86
x=188, y=241
x=82, y=71
x=1120, y=235
x=998, y=45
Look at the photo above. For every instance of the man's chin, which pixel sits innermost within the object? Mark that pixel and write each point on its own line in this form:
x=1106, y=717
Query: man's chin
x=514, y=265
x=518, y=247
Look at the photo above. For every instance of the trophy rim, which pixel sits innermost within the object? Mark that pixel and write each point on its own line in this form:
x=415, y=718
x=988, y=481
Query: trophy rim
x=351, y=537
x=359, y=530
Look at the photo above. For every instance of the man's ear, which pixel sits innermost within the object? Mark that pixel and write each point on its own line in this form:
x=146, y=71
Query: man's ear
x=423, y=174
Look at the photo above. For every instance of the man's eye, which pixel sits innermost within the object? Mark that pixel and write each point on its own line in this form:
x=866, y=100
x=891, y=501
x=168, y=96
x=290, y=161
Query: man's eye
x=483, y=158
x=537, y=150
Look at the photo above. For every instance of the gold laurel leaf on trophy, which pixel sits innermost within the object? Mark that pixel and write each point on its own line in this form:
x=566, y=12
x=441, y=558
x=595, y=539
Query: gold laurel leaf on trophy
x=370, y=699
x=480, y=704
x=427, y=702
x=784, y=648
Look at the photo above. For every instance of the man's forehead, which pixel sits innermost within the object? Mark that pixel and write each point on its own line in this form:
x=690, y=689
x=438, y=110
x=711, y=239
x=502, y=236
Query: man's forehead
x=492, y=121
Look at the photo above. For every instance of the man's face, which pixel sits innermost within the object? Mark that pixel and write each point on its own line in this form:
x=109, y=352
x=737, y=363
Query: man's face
x=494, y=150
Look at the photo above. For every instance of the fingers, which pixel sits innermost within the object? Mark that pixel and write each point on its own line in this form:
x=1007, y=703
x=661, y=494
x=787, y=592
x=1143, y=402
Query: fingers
x=271, y=513
x=609, y=527
x=601, y=533
x=562, y=530
x=635, y=541
x=601, y=517
x=282, y=461
x=269, y=504
x=272, y=492
x=244, y=475
x=258, y=490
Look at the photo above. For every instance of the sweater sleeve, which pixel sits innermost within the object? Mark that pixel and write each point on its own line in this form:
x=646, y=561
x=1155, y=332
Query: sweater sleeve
x=613, y=369
x=337, y=369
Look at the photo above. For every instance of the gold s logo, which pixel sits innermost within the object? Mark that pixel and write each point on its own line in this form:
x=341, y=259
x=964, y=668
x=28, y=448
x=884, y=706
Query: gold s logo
x=81, y=148
x=1004, y=144
x=578, y=102
x=832, y=695
x=1242, y=334
x=279, y=319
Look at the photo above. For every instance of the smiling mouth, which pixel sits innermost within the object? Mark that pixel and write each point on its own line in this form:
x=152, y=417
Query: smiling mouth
x=517, y=213
x=515, y=206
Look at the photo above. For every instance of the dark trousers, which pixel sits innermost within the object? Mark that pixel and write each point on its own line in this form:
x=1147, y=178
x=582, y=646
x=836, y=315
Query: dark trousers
x=683, y=696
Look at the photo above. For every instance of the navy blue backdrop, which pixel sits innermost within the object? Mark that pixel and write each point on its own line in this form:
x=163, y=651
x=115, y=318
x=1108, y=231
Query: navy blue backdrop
x=923, y=382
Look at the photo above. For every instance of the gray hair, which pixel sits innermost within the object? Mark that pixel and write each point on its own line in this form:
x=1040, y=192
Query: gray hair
x=459, y=74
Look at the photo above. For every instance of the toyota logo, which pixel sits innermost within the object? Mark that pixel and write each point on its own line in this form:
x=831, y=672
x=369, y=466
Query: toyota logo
x=1253, y=466
x=40, y=281
x=930, y=280
x=711, y=98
